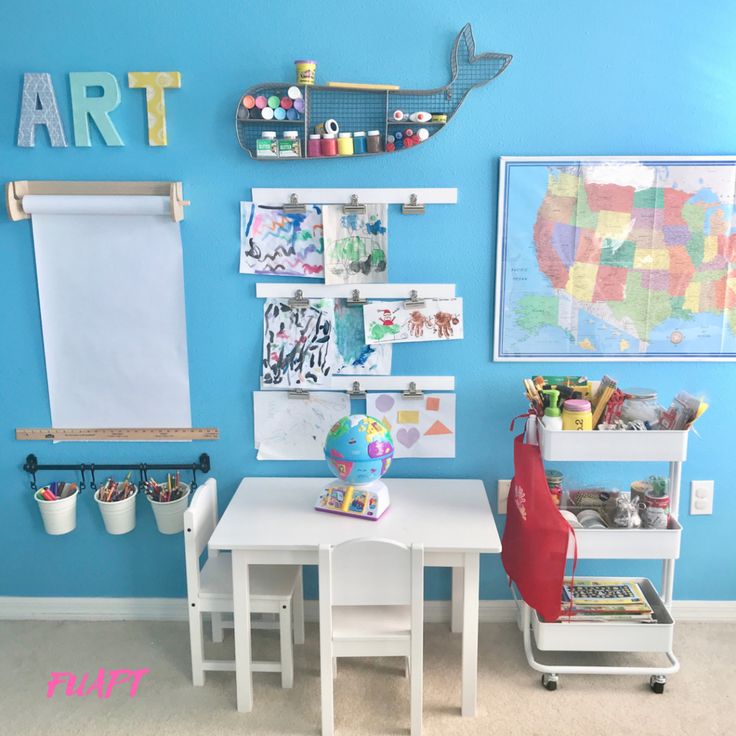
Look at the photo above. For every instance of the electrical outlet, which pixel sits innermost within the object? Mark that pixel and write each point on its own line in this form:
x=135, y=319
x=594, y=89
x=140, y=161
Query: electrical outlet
x=701, y=497
x=503, y=488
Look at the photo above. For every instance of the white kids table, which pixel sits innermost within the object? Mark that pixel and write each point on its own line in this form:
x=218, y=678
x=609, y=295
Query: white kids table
x=272, y=521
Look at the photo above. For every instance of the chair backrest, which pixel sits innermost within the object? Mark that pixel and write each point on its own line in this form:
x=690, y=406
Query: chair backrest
x=371, y=572
x=200, y=520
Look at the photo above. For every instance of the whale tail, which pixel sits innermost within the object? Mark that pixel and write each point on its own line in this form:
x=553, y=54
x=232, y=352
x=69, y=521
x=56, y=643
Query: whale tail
x=469, y=70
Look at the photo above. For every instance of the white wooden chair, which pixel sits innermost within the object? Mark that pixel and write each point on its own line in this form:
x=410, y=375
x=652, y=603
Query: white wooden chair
x=275, y=589
x=371, y=604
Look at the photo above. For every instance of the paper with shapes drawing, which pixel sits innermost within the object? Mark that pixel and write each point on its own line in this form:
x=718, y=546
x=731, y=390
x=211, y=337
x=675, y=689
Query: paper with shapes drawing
x=291, y=429
x=356, y=246
x=439, y=319
x=354, y=356
x=278, y=243
x=298, y=343
x=420, y=427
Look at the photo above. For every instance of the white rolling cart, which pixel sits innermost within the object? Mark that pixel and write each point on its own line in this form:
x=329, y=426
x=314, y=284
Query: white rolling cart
x=631, y=544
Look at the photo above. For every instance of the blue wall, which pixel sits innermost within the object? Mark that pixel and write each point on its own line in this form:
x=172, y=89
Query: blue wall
x=587, y=78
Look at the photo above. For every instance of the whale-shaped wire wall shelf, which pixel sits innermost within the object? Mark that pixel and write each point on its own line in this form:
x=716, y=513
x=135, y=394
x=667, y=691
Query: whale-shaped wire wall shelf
x=359, y=109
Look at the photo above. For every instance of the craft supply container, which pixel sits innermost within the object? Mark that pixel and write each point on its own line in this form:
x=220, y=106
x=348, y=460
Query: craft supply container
x=169, y=515
x=609, y=636
x=118, y=516
x=60, y=516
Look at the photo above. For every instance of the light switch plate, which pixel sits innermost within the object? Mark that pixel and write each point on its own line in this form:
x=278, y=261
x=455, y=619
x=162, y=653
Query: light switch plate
x=701, y=497
x=504, y=486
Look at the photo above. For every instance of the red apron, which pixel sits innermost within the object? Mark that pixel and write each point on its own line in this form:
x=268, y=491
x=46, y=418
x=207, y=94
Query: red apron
x=536, y=535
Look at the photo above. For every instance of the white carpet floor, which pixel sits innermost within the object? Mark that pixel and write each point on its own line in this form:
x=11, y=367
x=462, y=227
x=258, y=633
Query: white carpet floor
x=371, y=696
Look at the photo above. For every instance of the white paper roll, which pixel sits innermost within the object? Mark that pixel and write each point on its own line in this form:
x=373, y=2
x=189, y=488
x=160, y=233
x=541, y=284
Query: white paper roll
x=99, y=204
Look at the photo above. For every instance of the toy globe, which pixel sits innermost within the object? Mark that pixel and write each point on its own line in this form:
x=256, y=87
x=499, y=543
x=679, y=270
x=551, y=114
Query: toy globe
x=358, y=450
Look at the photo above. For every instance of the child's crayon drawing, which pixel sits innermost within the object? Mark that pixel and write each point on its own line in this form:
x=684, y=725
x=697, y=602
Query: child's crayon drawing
x=278, y=243
x=355, y=357
x=356, y=245
x=298, y=343
x=438, y=319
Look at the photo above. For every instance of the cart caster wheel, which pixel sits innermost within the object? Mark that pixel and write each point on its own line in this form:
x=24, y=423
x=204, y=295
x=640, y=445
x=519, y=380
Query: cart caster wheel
x=549, y=682
x=656, y=682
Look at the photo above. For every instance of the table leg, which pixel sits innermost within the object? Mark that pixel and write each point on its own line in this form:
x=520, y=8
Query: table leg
x=241, y=622
x=456, y=619
x=471, y=585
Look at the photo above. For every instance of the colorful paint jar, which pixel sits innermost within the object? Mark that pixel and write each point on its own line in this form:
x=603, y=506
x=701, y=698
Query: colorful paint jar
x=329, y=144
x=345, y=144
x=292, y=114
x=576, y=415
x=274, y=101
x=267, y=145
x=279, y=113
x=249, y=102
x=299, y=104
x=261, y=102
x=286, y=102
x=267, y=113
x=294, y=93
x=306, y=71
x=373, y=141
x=314, y=149
x=359, y=142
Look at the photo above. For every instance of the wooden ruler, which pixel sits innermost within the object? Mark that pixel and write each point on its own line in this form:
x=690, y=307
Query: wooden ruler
x=158, y=434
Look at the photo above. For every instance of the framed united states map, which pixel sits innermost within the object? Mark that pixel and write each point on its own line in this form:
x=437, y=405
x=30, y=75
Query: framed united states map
x=616, y=258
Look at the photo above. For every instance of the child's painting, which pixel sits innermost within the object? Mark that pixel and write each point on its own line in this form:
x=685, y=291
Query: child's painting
x=438, y=319
x=278, y=243
x=420, y=427
x=298, y=343
x=356, y=246
x=295, y=429
x=354, y=356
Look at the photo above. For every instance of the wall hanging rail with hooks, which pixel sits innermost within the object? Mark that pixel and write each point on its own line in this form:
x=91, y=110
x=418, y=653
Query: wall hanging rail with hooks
x=413, y=200
x=32, y=466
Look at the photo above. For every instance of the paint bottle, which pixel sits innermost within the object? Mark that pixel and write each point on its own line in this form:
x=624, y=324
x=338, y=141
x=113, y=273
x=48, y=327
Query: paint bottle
x=345, y=144
x=286, y=102
x=290, y=146
x=279, y=113
x=329, y=126
x=373, y=141
x=261, y=102
x=314, y=149
x=423, y=134
x=294, y=93
x=298, y=104
x=329, y=144
x=274, y=101
x=249, y=102
x=359, y=144
x=267, y=113
x=267, y=145
x=576, y=415
x=292, y=114
x=551, y=418
x=420, y=117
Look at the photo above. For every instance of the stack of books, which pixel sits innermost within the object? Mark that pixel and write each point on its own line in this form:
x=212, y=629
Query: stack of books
x=621, y=601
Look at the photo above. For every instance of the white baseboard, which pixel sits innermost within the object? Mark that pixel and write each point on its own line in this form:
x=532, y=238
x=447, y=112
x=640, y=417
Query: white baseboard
x=174, y=609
